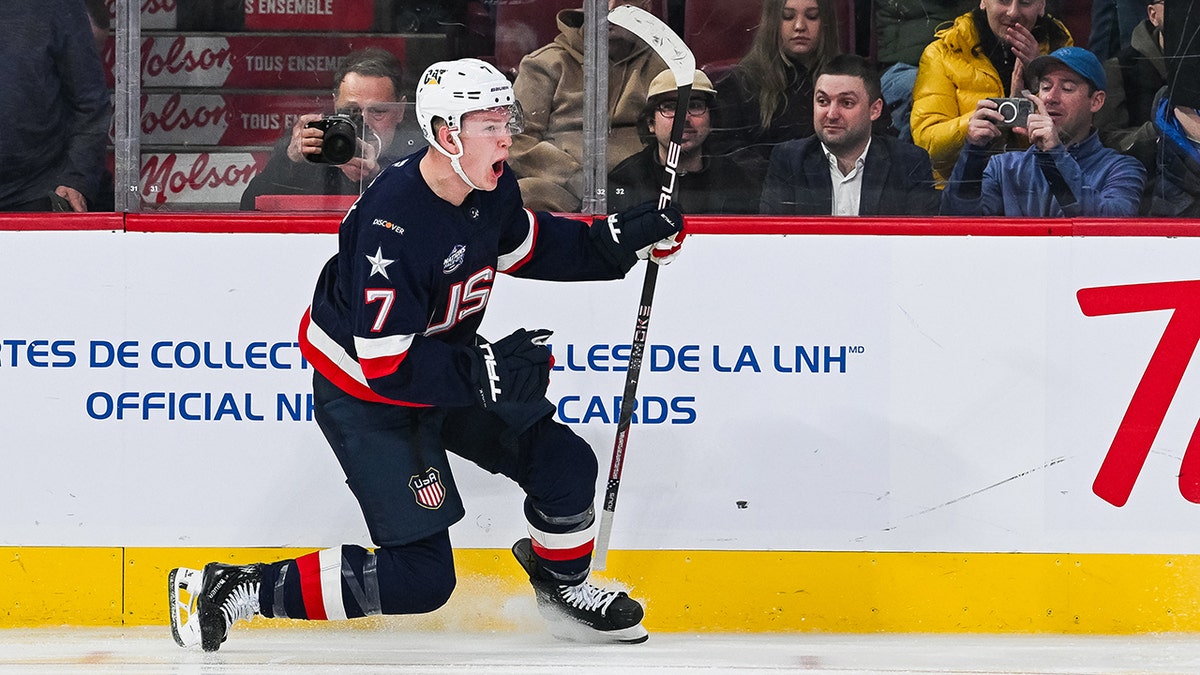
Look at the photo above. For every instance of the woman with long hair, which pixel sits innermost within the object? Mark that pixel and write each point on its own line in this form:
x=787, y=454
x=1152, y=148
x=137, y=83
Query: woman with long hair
x=768, y=96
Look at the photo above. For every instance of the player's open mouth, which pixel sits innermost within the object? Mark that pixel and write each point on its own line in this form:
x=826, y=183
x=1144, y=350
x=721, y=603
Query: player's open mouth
x=498, y=168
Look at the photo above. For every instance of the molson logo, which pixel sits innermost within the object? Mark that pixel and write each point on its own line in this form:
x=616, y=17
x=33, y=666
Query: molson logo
x=1154, y=393
x=221, y=119
x=198, y=177
x=194, y=61
x=200, y=119
x=156, y=14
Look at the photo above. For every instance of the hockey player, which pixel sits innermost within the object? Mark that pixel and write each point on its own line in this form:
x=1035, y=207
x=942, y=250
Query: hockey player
x=400, y=377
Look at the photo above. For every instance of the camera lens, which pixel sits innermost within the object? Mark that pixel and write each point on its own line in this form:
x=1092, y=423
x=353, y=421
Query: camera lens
x=1008, y=110
x=338, y=145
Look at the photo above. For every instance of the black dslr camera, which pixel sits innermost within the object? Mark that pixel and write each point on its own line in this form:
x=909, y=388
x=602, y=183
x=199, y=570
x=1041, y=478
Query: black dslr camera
x=340, y=143
x=1015, y=111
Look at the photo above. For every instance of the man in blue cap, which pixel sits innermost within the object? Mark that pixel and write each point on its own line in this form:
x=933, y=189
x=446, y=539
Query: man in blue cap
x=1066, y=171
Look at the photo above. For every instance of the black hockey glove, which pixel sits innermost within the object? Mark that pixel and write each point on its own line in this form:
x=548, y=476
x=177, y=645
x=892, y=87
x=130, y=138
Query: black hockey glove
x=513, y=369
x=644, y=231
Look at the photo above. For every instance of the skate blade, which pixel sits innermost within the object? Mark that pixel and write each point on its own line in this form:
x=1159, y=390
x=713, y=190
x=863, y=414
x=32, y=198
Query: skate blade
x=570, y=631
x=183, y=587
x=565, y=628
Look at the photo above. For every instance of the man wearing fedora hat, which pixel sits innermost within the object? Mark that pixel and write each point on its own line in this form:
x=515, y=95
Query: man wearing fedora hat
x=704, y=183
x=1066, y=171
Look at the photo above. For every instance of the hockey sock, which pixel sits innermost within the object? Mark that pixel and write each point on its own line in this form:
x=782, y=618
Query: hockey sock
x=350, y=581
x=563, y=544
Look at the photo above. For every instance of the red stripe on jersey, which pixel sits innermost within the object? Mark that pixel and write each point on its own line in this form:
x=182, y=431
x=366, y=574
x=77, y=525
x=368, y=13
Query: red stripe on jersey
x=564, y=553
x=340, y=378
x=381, y=366
x=533, y=224
x=309, y=567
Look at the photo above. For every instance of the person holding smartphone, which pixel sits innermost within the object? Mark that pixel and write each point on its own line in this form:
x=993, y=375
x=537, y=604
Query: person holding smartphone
x=1066, y=171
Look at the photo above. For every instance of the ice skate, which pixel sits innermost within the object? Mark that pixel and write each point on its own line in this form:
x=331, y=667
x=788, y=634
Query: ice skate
x=205, y=604
x=582, y=613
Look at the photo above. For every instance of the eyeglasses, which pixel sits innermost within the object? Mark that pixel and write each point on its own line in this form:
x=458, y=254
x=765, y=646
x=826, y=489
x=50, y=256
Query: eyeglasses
x=695, y=108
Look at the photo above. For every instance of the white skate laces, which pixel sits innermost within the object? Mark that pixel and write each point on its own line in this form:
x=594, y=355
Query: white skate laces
x=242, y=603
x=587, y=597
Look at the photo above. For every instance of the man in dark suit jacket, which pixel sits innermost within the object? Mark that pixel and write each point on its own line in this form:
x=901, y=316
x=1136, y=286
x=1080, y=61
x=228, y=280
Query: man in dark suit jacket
x=844, y=170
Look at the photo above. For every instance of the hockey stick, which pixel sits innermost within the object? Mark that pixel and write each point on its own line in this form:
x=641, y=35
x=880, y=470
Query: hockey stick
x=671, y=49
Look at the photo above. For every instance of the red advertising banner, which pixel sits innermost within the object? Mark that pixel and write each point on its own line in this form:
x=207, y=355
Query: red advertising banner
x=344, y=15
x=156, y=14
x=256, y=61
x=219, y=119
x=212, y=179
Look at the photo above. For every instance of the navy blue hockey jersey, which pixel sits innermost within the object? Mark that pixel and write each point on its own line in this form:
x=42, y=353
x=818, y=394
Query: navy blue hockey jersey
x=395, y=309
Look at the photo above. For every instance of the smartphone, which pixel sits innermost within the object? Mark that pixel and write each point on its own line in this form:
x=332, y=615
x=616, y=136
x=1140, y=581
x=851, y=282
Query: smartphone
x=59, y=203
x=1015, y=111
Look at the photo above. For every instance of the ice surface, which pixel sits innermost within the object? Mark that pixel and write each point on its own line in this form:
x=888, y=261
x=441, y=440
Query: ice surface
x=382, y=647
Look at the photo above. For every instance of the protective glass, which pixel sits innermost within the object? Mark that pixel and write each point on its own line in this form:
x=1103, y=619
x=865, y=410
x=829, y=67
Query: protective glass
x=376, y=112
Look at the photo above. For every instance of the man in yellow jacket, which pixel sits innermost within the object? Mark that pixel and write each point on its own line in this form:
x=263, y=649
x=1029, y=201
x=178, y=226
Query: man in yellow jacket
x=982, y=55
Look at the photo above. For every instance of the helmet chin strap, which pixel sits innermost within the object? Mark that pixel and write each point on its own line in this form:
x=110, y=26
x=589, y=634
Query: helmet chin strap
x=456, y=159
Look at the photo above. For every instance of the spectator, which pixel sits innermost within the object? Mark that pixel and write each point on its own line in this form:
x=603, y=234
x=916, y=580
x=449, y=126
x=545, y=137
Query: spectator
x=99, y=20
x=1113, y=22
x=905, y=28
x=703, y=183
x=767, y=97
x=1176, y=190
x=844, y=170
x=548, y=156
x=1126, y=122
x=983, y=54
x=369, y=82
x=1066, y=172
x=55, y=107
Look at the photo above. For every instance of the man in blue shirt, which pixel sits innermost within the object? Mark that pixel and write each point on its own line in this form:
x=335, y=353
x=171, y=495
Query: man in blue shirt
x=1066, y=171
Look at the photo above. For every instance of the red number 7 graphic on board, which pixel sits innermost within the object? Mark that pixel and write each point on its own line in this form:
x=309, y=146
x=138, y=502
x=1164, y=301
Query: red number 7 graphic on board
x=1157, y=388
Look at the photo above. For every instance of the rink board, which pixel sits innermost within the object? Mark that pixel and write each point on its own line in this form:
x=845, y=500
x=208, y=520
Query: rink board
x=835, y=431
x=692, y=591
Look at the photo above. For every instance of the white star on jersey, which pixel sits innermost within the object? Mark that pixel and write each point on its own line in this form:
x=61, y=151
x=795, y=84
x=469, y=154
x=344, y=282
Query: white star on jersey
x=379, y=264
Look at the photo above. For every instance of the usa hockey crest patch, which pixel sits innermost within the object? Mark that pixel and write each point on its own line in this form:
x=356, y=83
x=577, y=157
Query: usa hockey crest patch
x=428, y=489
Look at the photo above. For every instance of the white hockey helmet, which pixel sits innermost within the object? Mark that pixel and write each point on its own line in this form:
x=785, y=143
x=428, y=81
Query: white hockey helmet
x=450, y=89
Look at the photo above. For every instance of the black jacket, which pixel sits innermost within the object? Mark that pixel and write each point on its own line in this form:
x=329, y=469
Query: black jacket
x=1175, y=193
x=897, y=180
x=282, y=176
x=721, y=187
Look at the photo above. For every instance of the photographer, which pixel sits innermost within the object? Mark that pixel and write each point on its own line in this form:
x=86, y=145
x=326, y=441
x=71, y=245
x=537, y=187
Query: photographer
x=368, y=91
x=1066, y=172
